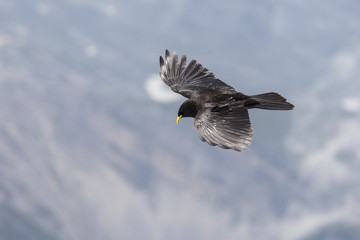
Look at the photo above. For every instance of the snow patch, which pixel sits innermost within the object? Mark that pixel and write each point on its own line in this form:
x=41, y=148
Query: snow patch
x=159, y=91
x=91, y=50
x=345, y=63
x=351, y=104
x=278, y=22
x=4, y=40
x=44, y=9
x=323, y=167
x=109, y=10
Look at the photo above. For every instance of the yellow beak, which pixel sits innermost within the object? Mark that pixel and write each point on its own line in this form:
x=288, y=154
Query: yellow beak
x=178, y=119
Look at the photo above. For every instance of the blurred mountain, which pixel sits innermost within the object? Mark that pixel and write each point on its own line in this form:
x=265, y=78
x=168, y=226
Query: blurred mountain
x=89, y=148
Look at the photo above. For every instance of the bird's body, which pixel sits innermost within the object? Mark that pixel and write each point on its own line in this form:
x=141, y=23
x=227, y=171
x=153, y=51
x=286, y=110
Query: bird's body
x=220, y=112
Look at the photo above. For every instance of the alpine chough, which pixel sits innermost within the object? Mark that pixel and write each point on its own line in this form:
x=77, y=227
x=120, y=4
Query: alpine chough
x=220, y=112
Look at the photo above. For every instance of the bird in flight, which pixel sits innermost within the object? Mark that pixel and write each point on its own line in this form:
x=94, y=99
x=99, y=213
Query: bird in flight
x=220, y=112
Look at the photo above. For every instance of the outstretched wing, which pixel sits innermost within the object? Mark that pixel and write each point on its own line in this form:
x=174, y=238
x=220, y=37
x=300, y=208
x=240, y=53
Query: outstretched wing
x=227, y=127
x=191, y=79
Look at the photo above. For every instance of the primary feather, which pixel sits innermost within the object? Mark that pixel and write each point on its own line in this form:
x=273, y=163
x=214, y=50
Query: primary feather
x=191, y=80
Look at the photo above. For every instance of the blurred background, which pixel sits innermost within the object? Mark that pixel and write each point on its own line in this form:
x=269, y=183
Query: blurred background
x=89, y=148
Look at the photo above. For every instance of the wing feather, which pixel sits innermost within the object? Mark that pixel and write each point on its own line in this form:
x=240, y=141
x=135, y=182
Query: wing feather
x=189, y=80
x=227, y=128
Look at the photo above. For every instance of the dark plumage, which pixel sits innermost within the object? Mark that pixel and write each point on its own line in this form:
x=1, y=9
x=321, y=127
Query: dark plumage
x=220, y=112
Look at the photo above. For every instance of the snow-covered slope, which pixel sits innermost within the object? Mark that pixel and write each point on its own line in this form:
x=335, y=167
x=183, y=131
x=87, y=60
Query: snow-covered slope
x=89, y=148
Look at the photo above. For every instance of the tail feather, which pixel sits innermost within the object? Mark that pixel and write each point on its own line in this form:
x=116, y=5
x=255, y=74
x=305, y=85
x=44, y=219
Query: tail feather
x=268, y=101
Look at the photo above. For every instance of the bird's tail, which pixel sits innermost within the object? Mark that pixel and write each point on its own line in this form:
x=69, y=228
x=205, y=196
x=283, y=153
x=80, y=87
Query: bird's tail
x=268, y=101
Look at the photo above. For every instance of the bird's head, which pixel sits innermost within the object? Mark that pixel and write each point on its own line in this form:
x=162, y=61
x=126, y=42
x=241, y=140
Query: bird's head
x=189, y=108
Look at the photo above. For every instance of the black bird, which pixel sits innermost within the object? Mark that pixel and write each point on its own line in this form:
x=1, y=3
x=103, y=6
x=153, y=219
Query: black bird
x=220, y=112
